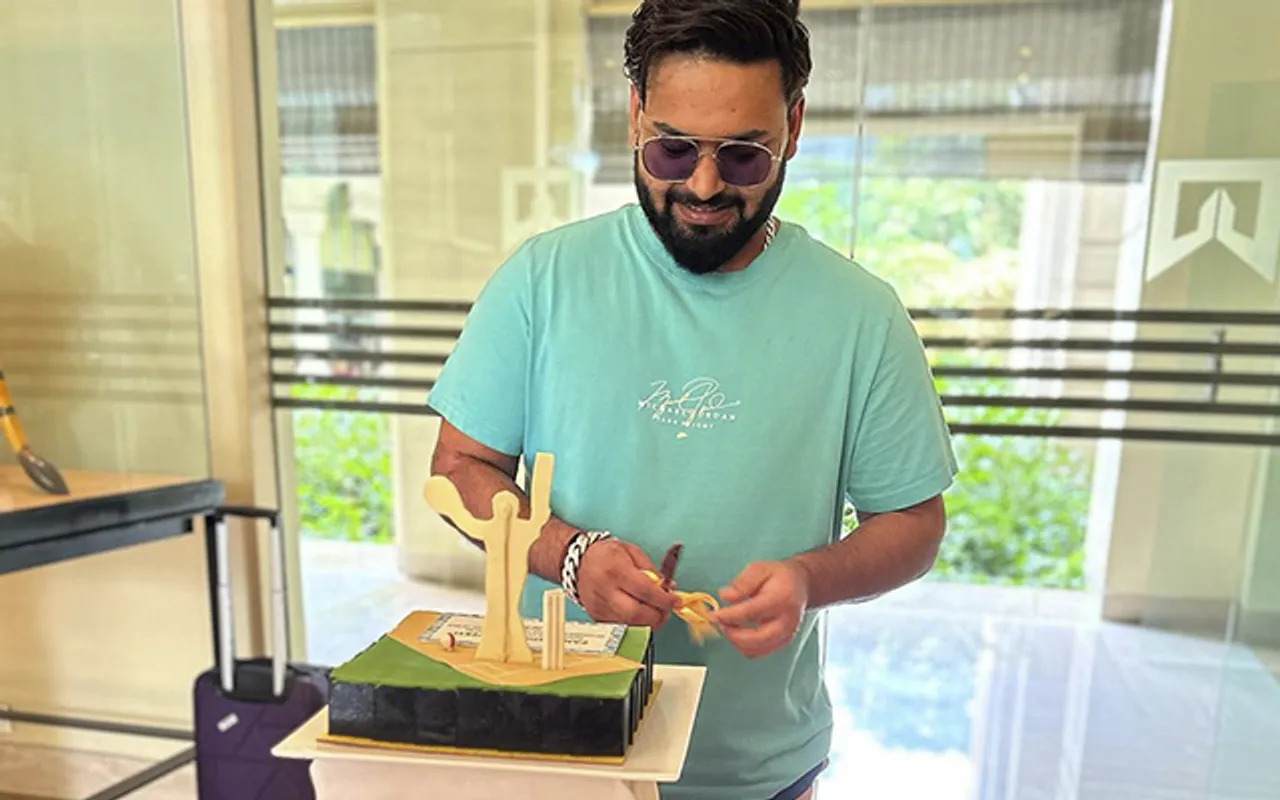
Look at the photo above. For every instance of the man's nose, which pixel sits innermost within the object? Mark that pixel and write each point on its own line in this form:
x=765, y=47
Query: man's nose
x=705, y=181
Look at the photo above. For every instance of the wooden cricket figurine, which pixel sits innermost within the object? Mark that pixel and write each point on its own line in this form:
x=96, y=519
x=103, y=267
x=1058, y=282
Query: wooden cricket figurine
x=507, y=538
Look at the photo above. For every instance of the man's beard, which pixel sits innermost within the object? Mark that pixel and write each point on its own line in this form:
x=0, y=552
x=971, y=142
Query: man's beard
x=706, y=249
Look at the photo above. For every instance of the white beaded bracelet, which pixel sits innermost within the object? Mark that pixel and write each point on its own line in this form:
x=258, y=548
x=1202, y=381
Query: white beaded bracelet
x=573, y=559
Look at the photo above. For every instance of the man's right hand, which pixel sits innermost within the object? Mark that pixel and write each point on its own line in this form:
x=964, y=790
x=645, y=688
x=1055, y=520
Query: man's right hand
x=613, y=587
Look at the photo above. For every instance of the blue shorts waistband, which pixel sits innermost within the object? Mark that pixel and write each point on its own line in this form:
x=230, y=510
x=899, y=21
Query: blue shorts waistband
x=801, y=786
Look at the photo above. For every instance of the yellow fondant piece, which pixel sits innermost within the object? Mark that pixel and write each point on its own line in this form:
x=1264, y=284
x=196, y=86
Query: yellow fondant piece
x=695, y=609
x=467, y=661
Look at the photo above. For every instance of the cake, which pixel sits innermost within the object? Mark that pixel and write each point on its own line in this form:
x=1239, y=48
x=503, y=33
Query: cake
x=395, y=694
x=497, y=683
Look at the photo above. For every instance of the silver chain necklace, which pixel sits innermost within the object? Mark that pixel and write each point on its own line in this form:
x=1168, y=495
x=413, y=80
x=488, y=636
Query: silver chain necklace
x=770, y=231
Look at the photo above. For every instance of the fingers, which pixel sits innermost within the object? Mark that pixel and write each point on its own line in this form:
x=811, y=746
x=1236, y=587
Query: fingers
x=759, y=593
x=751, y=580
x=639, y=558
x=638, y=585
x=615, y=589
x=740, y=594
x=641, y=614
x=754, y=609
x=618, y=607
x=749, y=599
x=761, y=641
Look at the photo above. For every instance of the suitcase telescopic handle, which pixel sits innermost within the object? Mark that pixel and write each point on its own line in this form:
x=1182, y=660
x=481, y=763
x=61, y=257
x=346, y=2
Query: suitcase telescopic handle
x=220, y=597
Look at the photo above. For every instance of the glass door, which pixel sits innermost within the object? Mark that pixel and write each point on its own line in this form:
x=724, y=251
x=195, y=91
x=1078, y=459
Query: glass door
x=1072, y=198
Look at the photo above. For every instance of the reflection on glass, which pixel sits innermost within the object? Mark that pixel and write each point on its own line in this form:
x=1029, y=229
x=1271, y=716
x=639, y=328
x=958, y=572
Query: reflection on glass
x=99, y=314
x=937, y=702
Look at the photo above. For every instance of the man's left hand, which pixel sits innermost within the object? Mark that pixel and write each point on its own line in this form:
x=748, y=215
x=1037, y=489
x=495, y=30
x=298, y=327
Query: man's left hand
x=765, y=606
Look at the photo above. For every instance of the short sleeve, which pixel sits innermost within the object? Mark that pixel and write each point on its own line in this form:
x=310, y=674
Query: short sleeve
x=482, y=387
x=901, y=452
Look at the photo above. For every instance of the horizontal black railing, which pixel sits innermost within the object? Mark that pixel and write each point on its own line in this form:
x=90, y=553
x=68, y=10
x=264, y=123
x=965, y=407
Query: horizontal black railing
x=326, y=304
x=1105, y=345
x=407, y=331
x=367, y=356
x=412, y=409
x=1151, y=316
x=1204, y=377
x=369, y=381
x=294, y=368
x=1258, y=318
x=1102, y=404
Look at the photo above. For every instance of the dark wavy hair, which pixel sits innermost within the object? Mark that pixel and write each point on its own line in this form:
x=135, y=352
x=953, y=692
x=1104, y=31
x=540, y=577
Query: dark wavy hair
x=740, y=31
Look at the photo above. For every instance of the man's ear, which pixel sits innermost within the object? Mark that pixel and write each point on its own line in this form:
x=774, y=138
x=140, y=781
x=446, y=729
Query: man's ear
x=633, y=124
x=795, y=121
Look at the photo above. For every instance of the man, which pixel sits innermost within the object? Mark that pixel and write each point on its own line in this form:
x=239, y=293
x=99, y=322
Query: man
x=708, y=375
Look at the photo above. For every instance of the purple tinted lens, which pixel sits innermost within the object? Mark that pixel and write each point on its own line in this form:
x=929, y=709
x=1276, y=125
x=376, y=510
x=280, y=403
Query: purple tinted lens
x=676, y=160
x=670, y=159
x=743, y=164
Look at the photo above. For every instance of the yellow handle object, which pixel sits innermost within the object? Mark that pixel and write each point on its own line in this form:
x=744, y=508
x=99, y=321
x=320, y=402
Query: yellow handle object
x=13, y=432
x=695, y=609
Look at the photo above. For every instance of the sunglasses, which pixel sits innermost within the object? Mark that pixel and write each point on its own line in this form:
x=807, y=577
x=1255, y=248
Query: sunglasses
x=675, y=158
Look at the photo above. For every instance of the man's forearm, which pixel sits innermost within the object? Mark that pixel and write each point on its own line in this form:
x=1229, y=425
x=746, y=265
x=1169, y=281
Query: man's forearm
x=882, y=554
x=477, y=483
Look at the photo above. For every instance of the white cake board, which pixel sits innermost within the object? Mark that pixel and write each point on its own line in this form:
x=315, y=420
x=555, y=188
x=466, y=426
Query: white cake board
x=657, y=755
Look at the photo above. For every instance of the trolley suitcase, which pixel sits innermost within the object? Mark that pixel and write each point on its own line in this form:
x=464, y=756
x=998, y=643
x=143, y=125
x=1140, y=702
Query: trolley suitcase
x=243, y=708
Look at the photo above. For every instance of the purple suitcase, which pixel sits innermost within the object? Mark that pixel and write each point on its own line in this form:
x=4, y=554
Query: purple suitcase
x=243, y=708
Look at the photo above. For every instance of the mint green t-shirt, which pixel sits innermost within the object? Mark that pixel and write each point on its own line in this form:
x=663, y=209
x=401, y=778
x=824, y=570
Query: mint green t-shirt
x=734, y=413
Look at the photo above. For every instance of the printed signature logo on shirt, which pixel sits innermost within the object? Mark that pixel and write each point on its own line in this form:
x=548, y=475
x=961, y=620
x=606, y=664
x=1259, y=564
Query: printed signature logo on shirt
x=700, y=403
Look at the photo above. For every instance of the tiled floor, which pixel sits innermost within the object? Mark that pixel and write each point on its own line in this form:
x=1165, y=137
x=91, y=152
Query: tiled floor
x=942, y=692
x=37, y=773
x=180, y=785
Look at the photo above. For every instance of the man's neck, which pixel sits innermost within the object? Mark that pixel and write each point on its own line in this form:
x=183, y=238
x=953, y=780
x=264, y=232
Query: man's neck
x=749, y=253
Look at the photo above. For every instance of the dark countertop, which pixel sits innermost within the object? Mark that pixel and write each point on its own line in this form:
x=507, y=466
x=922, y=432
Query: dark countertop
x=105, y=511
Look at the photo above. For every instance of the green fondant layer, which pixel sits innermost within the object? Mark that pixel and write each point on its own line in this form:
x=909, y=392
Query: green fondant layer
x=388, y=662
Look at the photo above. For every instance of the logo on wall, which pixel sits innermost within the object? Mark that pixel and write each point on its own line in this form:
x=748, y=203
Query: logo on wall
x=1235, y=203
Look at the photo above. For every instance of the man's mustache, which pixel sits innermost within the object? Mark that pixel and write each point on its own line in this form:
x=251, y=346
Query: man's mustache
x=717, y=203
